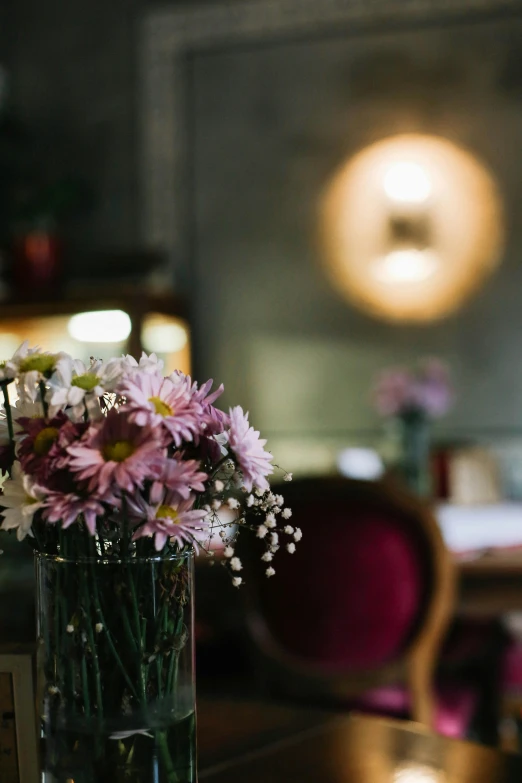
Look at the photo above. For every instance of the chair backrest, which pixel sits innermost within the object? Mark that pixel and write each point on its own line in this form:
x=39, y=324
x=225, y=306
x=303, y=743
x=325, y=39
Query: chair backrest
x=368, y=591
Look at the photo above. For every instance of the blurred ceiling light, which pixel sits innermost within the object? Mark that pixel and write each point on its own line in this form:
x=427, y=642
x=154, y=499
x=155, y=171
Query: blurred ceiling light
x=407, y=182
x=405, y=266
x=100, y=326
x=358, y=463
x=411, y=227
x=164, y=338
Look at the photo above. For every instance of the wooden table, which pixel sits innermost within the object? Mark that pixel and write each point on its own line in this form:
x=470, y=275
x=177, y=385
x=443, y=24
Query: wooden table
x=490, y=584
x=260, y=743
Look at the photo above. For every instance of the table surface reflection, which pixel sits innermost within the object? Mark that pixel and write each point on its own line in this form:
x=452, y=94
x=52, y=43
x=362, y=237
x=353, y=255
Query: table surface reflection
x=261, y=743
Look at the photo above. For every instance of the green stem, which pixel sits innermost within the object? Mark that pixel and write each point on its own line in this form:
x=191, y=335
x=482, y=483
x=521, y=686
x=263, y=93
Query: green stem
x=7, y=406
x=45, y=406
x=108, y=636
x=92, y=643
x=85, y=688
x=161, y=739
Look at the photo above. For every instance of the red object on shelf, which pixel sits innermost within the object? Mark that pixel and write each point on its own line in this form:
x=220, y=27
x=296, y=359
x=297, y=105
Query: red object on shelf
x=37, y=261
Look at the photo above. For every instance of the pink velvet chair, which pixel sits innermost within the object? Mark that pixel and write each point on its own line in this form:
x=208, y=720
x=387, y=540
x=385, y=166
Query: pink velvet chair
x=358, y=614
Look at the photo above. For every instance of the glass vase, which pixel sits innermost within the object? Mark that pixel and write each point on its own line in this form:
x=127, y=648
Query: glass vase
x=414, y=429
x=115, y=682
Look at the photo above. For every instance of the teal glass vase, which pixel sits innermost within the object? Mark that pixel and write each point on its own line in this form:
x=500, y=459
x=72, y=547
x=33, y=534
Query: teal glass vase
x=415, y=442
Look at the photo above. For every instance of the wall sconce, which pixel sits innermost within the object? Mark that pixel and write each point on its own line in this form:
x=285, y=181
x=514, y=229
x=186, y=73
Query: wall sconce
x=411, y=227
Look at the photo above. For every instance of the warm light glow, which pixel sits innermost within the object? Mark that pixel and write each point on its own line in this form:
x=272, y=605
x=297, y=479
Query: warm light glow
x=407, y=182
x=164, y=338
x=100, y=326
x=9, y=342
x=400, y=267
x=417, y=774
x=411, y=227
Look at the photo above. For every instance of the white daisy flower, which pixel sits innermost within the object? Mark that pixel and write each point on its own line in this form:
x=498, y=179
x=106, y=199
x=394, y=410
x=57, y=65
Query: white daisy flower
x=21, y=500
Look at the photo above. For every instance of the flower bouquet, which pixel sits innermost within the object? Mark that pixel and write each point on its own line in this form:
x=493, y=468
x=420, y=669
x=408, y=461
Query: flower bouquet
x=116, y=475
x=411, y=399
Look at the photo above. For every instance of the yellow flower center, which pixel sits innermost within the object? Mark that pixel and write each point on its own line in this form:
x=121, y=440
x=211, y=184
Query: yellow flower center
x=161, y=407
x=118, y=451
x=87, y=381
x=44, y=440
x=41, y=362
x=168, y=511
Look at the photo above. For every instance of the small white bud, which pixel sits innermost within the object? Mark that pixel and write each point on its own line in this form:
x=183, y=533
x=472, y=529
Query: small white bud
x=219, y=486
x=235, y=564
x=229, y=551
x=289, y=530
x=70, y=628
x=216, y=504
x=298, y=534
x=262, y=531
x=288, y=477
x=98, y=627
x=259, y=492
x=274, y=539
x=233, y=503
x=270, y=521
x=236, y=581
x=286, y=513
x=290, y=548
x=267, y=557
x=279, y=499
x=270, y=571
x=250, y=501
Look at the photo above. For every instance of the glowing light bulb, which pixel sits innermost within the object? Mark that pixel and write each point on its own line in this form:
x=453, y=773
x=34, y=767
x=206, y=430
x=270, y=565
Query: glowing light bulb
x=407, y=183
x=100, y=326
x=164, y=338
x=406, y=266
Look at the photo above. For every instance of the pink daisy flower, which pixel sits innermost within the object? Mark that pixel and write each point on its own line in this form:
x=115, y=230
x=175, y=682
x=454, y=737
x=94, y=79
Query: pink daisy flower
x=115, y=455
x=168, y=517
x=66, y=508
x=214, y=421
x=155, y=401
x=42, y=448
x=253, y=460
x=181, y=475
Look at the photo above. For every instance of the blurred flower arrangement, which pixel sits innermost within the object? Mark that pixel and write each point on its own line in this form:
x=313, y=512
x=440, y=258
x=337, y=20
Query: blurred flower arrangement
x=411, y=399
x=113, y=463
x=427, y=391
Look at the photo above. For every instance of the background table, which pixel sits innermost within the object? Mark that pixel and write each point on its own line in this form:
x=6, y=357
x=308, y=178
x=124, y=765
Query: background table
x=260, y=743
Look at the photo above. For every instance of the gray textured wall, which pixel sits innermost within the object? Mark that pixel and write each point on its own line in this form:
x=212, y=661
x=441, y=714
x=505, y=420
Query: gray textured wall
x=272, y=124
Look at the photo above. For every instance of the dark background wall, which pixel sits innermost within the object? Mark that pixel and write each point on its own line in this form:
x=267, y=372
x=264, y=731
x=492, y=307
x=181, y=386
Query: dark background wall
x=73, y=66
